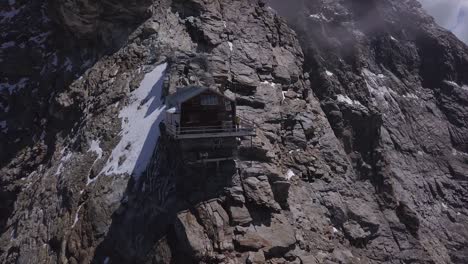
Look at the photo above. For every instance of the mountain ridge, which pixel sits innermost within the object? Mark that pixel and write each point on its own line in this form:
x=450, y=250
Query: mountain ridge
x=361, y=154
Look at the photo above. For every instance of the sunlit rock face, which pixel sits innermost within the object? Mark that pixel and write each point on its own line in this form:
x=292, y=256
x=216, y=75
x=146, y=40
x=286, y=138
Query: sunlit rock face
x=360, y=156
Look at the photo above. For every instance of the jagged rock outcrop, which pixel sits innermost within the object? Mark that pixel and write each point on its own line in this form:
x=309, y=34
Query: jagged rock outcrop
x=360, y=157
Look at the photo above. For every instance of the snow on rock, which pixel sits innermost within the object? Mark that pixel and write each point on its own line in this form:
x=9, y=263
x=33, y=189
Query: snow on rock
x=140, y=127
x=94, y=147
x=272, y=84
x=59, y=169
x=452, y=83
x=230, y=46
x=77, y=214
x=66, y=157
x=381, y=94
x=328, y=73
x=290, y=174
x=63, y=160
x=319, y=16
x=411, y=95
x=345, y=99
x=393, y=38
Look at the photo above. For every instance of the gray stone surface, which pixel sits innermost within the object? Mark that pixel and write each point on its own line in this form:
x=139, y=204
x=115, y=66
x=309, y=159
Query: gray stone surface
x=373, y=125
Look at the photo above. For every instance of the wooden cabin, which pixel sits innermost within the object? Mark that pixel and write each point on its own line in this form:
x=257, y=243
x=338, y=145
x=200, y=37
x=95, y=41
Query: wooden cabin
x=205, y=123
x=200, y=112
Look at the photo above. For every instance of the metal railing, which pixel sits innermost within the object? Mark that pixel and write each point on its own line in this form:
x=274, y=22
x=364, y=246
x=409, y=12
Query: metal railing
x=244, y=128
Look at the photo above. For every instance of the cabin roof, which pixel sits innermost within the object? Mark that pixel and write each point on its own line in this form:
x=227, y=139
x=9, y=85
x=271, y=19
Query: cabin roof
x=186, y=93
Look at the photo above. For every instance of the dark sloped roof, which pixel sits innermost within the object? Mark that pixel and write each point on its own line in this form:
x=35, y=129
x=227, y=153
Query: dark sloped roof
x=186, y=93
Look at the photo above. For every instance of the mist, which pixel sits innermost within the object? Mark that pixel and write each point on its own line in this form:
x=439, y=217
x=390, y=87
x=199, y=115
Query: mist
x=450, y=14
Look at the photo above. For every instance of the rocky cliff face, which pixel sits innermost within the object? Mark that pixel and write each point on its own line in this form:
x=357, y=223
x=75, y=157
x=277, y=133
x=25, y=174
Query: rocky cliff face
x=361, y=154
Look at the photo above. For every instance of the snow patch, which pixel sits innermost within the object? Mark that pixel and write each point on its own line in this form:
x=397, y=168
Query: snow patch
x=380, y=93
x=272, y=84
x=411, y=95
x=452, y=83
x=94, y=147
x=444, y=206
x=347, y=100
x=59, y=169
x=328, y=73
x=77, y=216
x=67, y=157
x=318, y=16
x=335, y=230
x=140, y=127
x=289, y=174
x=393, y=38
x=230, y=45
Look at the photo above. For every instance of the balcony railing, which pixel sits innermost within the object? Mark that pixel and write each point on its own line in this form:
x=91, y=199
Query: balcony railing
x=244, y=128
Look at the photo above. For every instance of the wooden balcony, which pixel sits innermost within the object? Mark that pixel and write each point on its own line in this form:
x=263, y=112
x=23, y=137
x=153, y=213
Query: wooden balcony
x=243, y=129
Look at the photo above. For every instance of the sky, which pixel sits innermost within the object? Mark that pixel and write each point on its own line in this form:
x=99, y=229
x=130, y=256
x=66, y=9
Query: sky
x=451, y=14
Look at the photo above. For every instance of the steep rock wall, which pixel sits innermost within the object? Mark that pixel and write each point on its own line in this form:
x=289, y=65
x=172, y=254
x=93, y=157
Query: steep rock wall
x=360, y=155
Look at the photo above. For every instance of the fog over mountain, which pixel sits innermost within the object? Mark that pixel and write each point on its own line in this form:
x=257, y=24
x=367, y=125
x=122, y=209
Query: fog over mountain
x=451, y=14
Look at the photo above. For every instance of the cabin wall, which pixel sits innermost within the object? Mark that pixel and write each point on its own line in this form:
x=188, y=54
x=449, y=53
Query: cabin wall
x=199, y=111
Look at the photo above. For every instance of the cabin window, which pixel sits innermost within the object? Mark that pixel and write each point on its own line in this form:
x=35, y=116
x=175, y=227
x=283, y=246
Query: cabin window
x=209, y=100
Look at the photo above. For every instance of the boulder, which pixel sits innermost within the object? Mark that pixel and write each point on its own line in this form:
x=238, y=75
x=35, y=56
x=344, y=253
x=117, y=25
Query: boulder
x=191, y=236
x=281, y=191
x=355, y=233
x=256, y=258
x=279, y=234
x=240, y=215
x=250, y=240
x=215, y=221
x=258, y=191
